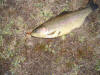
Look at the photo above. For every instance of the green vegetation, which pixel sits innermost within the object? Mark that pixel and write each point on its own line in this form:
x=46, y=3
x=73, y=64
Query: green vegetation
x=38, y=4
x=7, y=53
x=7, y=28
x=15, y=58
x=1, y=40
x=10, y=52
x=15, y=64
x=32, y=16
x=46, y=13
x=71, y=34
x=19, y=23
x=63, y=37
x=98, y=66
x=1, y=1
x=81, y=39
x=48, y=48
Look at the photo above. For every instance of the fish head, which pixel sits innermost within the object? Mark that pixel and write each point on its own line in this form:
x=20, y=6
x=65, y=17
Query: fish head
x=40, y=32
x=43, y=32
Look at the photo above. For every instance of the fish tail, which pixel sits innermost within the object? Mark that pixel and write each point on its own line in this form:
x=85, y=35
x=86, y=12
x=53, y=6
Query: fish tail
x=93, y=5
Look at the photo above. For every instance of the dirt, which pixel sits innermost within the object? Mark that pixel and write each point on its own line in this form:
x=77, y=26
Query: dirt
x=77, y=53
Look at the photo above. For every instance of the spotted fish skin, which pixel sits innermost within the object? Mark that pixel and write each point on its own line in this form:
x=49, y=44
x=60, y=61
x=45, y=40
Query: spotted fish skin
x=62, y=24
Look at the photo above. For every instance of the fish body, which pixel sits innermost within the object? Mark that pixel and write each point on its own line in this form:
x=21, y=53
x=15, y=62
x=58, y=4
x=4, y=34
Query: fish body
x=62, y=24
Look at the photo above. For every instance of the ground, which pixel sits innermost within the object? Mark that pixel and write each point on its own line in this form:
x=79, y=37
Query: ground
x=77, y=53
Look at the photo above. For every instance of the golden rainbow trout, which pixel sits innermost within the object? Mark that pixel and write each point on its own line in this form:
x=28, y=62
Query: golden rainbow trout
x=63, y=23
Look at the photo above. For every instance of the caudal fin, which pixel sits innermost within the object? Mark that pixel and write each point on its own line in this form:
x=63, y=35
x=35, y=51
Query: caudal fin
x=92, y=5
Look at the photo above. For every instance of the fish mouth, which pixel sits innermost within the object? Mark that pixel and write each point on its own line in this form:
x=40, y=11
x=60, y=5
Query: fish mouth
x=28, y=33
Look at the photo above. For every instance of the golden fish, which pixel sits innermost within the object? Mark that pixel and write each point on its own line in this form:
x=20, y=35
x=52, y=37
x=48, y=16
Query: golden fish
x=64, y=23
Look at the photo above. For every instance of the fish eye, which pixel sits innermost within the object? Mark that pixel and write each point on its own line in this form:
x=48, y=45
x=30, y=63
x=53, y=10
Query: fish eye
x=40, y=30
x=35, y=30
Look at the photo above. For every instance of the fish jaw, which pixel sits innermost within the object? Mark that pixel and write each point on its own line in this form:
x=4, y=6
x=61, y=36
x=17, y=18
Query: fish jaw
x=42, y=35
x=38, y=35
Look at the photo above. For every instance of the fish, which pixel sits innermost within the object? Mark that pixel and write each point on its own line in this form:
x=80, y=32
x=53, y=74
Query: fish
x=64, y=23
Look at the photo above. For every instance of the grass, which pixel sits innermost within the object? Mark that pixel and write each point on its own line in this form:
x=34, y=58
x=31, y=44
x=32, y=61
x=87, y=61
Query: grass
x=49, y=49
x=97, y=68
x=63, y=37
x=81, y=39
x=32, y=16
x=7, y=53
x=11, y=52
x=1, y=40
x=15, y=64
x=46, y=13
x=7, y=29
x=2, y=1
x=15, y=59
x=38, y=4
